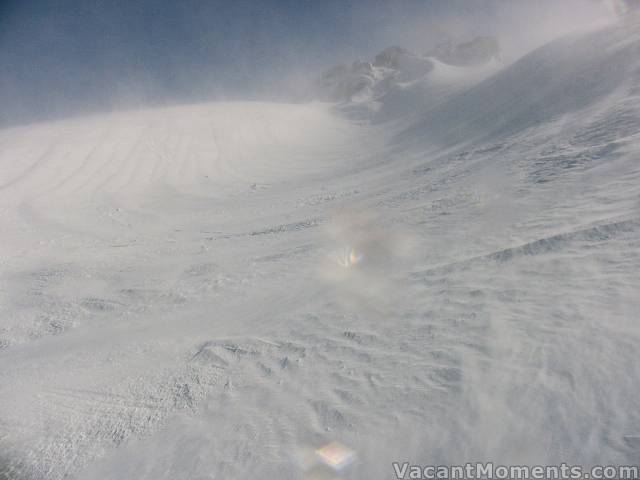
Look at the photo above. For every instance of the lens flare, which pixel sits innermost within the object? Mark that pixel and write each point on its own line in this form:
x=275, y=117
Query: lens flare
x=331, y=461
x=350, y=257
x=336, y=455
x=618, y=7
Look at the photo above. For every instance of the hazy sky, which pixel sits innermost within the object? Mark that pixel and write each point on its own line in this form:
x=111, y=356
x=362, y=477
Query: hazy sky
x=65, y=56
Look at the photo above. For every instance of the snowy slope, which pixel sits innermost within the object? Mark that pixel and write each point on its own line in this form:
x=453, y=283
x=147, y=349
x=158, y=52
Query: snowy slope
x=561, y=78
x=213, y=291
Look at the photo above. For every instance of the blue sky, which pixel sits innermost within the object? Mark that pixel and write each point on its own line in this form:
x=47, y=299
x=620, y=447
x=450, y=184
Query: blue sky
x=66, y=56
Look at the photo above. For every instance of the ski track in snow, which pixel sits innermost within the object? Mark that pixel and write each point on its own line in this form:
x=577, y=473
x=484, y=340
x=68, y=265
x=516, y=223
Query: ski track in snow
x=172, y=303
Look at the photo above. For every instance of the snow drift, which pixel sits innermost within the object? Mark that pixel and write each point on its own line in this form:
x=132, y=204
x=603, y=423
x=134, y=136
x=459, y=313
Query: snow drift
x=175, y=300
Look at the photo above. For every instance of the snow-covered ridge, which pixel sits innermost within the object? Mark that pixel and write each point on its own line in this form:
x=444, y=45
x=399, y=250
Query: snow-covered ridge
x=396, y=72
x=560, y=78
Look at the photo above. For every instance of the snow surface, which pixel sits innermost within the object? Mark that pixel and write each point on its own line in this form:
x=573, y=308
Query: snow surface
x=214, y=291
